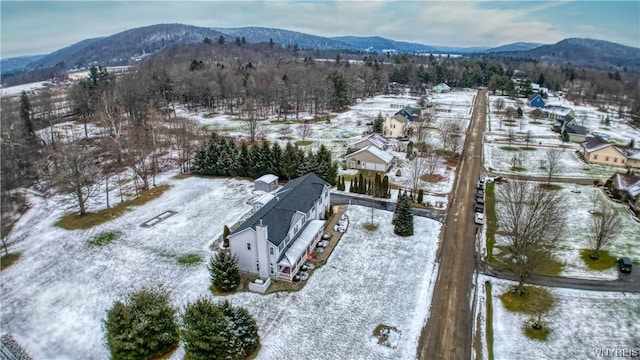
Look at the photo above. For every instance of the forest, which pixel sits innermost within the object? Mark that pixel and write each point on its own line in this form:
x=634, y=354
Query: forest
x=131, y=131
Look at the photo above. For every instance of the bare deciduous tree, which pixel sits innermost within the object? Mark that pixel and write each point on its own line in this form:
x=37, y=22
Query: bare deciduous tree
x=511, y=136
x=603, y=226
x=74, y=171
x=531, y=218
x=528, y=136
x=552, y=157
x=449, y=128
x=250, y=127
x=416, y=168
x=304, y=130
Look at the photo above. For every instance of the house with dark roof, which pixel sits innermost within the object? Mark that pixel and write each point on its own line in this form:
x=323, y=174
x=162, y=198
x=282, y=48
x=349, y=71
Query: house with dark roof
x=278, y=238
x=597, y=150
x=410, y=113
x=536, y=101
x=574, y=133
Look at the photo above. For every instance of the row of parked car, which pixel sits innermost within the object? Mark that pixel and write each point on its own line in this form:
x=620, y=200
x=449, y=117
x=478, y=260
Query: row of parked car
x=479, y=217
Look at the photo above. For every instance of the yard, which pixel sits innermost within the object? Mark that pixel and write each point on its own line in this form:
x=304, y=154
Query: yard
x=55, y=296
x=581, y=323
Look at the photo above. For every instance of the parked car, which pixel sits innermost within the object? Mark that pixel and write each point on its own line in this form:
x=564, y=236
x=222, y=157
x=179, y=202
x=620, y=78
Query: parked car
x=480, y=193
x=479, y=218
x=480, y=185
x=624, y=264
x=479, y=208
x=480, y=200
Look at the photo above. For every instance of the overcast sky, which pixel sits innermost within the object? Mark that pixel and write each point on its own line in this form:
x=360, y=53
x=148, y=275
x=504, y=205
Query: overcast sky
x=38, y=27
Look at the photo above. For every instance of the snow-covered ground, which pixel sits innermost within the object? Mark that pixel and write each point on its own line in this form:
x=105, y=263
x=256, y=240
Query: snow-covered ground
x=16, y=90
x=574, y=238
x=54, y=298
x=543, y=138
x=581, y=323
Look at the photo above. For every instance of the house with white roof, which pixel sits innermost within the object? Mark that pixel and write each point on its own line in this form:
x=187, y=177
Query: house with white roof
x=557, y=112
x=376, y=140
x=626, y=187
x=370, y=158
x=278, y=238
x=441, y=88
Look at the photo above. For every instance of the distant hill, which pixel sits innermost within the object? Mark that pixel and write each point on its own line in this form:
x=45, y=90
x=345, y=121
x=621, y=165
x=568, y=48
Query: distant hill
x=584, y=52
x=11, y=65
x=129, y=46
x=379, y=44
x=283, y=37
x=122, y=48
x=517, y=46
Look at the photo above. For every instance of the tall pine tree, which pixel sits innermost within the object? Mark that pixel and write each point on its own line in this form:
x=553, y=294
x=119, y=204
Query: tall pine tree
x=224, y=272
x=403, y=216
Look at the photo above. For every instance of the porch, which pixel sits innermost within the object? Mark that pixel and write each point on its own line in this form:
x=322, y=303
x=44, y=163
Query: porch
x=300, y=250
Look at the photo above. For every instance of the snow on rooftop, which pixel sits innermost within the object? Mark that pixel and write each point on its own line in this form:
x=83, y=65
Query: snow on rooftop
x=267, y=178
x=300, y=245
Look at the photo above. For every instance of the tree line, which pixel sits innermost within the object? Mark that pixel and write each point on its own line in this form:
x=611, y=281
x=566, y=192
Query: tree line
x=222, y=157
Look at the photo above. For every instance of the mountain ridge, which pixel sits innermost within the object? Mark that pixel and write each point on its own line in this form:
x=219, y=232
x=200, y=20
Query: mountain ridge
x=125, y=47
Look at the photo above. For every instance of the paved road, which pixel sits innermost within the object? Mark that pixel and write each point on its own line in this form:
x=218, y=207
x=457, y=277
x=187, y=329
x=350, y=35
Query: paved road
x=448, y=332
x=625, y=282
x=554, y=179
x=389, y=205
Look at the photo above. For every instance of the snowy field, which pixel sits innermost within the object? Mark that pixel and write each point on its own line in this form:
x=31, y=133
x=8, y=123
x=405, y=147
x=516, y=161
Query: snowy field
x=626, y=241
x=580, y=323
x=54, y=298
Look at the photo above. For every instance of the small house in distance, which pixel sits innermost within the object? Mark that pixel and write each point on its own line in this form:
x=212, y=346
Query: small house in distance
x=410, y=113
x=276, y=240
x=395, y=126
x=376, y=140
x=536, y=101
x=266, y=182
x=442, y=88
x=574, y=133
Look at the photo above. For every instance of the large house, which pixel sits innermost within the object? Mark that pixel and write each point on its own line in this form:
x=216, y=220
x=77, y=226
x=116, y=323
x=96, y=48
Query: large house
x=277, y=239
x=597, y=150
x=395, y=126
x=369, y=158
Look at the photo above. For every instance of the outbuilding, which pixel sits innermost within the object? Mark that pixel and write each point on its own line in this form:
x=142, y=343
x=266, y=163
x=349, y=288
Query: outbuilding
x=266, y=182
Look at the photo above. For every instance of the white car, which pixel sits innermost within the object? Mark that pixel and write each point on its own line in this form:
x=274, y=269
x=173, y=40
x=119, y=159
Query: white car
x=479, y=218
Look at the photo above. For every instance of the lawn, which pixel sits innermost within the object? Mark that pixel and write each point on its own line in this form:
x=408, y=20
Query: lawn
x=55, y=297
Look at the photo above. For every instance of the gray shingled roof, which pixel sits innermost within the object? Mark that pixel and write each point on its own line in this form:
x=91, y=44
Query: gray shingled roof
x=298, y=194
x=594, y=143
x=576, y=129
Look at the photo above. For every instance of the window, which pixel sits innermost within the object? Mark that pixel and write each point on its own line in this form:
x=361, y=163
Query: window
x=271, y=250
x=606, y=159
x=623, y=161
x=272, y=271
x=595, y=157
x=358, y=162
x=248, y=246
x=326, y=193
x=615, y=160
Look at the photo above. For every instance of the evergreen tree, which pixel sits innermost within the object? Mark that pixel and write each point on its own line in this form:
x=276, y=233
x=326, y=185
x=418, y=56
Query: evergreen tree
x=403, y=216
x=340, y=96
x=142, y=327
x=632, y=143
x=352, y=185
x=25, y=113
x=420, y=196
x=224, y=272
x=275, y=160
x=242, y=164
x=378, y=122
x=225, y=234
x=218, y=331
x=410, y=150
x=385, y=186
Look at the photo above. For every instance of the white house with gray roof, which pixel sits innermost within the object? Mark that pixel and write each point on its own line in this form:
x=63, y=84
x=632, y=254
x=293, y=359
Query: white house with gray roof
x=281, y=235
x=369, y=158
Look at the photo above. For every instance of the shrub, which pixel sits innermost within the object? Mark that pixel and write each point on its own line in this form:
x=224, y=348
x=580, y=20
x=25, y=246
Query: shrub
x=224, y=272
x=190, y=259
x=218, y=331
x=142, y=327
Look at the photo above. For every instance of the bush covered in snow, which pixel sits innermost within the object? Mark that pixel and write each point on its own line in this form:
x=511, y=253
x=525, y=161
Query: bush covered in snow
x=142, y=327
x=218, y=331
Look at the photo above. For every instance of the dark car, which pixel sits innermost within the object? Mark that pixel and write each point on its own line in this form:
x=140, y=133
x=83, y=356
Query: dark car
x=624, y=264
